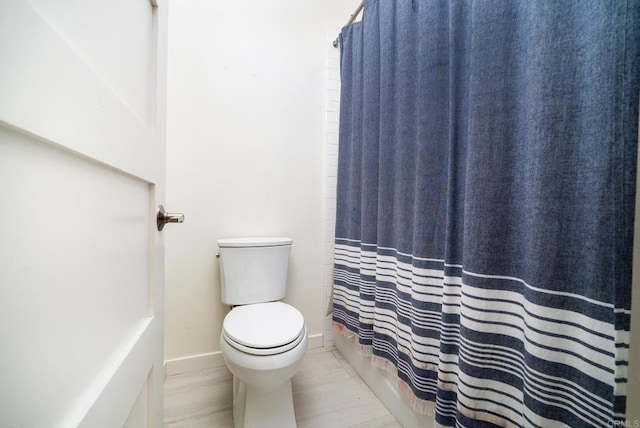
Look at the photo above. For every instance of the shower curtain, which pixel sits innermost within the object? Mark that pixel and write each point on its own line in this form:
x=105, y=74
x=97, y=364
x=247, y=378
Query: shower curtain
x=486, y=188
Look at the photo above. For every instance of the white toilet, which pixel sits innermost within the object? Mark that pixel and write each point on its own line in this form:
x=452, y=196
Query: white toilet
x=263, y=340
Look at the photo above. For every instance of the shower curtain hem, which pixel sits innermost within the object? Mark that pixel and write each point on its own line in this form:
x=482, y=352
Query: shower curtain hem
x=418, y=405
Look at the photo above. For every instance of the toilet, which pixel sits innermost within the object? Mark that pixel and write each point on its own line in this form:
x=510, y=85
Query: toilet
x=263, y=340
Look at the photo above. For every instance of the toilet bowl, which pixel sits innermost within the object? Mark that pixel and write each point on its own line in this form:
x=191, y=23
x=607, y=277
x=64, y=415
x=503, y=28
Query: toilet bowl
x=263, y=345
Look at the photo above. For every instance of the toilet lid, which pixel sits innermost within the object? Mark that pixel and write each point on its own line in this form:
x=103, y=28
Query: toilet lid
x=263, y=325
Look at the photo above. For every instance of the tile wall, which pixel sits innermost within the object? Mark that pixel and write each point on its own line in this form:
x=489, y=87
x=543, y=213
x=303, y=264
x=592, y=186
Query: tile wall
x=330, y=149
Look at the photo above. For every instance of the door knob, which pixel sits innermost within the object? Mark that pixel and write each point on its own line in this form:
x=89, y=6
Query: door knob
x=165, y=217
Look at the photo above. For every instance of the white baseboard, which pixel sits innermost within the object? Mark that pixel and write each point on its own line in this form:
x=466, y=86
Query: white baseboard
x=192, y=363
x=316, y=341
x=210, y=360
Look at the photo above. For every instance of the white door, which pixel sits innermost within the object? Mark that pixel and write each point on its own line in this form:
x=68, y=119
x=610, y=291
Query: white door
x=82, y=146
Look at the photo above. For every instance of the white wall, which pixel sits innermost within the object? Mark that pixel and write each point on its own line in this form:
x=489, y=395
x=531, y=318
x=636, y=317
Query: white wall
x=246, y=117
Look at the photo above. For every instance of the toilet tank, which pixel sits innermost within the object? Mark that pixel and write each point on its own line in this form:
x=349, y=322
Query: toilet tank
x=253, y=270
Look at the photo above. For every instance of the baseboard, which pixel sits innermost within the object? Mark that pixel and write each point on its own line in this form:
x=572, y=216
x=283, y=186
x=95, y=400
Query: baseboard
x=315, y=341
x=210, y=360
x=192, y=363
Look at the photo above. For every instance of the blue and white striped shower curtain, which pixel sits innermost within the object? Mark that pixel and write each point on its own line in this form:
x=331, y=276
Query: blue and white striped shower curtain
x=486, y=187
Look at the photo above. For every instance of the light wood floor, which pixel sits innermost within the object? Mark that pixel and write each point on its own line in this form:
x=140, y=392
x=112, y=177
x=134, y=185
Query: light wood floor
x=327, y=392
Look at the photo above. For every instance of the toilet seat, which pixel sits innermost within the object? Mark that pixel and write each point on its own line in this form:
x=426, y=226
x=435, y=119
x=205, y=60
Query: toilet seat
x=264, y=328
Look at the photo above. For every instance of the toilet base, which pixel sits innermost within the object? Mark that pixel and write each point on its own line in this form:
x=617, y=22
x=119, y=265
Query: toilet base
x=260, y=406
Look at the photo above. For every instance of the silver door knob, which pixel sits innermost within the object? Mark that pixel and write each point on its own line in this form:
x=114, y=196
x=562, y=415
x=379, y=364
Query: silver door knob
x=165, y=217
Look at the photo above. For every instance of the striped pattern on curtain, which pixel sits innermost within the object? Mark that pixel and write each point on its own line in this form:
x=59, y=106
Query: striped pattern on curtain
x=526, y=340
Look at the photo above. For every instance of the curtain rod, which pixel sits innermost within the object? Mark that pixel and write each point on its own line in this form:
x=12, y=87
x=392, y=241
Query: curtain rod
x=354, y=15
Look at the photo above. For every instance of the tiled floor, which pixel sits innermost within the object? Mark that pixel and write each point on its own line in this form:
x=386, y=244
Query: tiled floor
x=326, y=393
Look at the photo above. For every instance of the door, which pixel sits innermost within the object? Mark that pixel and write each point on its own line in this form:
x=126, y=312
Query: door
x=82, y=146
